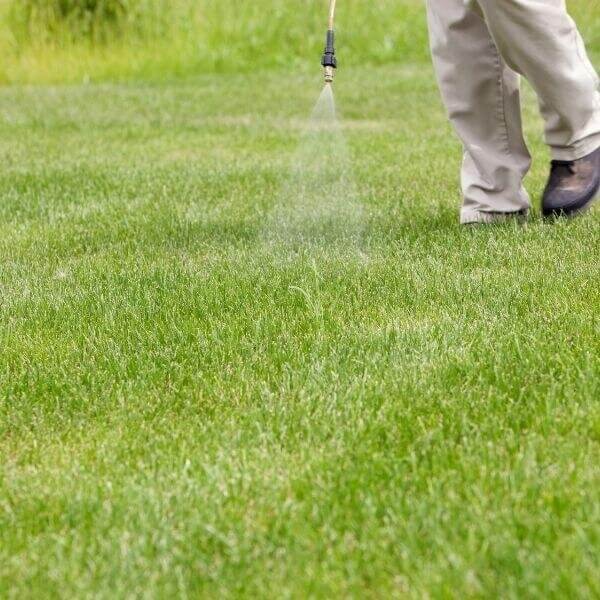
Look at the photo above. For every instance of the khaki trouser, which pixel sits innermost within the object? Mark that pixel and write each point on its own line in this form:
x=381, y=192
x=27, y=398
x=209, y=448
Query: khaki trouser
x=479, y=48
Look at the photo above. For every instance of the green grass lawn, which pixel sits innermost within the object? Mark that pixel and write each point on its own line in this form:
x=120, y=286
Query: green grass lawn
x=189, y=406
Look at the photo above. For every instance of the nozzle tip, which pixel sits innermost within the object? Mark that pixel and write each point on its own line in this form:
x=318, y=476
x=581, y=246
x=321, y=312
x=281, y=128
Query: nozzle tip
x=328, y=74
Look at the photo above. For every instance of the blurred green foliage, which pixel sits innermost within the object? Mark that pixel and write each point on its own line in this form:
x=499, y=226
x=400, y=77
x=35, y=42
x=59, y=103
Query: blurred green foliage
x=92, y=19
x=58, y=40
x=96, y=22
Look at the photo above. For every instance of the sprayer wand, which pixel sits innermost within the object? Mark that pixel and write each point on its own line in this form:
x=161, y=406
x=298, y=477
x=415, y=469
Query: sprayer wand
x=329, y=61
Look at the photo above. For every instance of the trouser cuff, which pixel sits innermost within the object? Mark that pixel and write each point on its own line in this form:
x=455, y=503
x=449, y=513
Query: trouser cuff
x=470, y=216
x=577, y=151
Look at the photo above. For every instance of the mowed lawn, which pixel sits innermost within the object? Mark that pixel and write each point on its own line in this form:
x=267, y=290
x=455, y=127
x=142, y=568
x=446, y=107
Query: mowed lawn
x=191, y=406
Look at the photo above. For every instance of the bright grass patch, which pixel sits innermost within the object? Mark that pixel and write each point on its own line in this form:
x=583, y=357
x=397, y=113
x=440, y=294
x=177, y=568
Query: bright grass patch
x=190, y=406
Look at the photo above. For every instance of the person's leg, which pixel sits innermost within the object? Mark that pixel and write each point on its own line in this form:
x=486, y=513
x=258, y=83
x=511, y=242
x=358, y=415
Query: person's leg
x=481, y=94
x=539, y=40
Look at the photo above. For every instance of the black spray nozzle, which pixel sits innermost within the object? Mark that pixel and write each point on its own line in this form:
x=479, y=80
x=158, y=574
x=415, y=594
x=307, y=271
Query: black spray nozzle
x=329, y=59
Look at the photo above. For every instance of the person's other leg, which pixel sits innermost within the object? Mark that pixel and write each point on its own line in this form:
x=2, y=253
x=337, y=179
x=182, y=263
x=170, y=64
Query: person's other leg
x=540, y=41
x=481, y=94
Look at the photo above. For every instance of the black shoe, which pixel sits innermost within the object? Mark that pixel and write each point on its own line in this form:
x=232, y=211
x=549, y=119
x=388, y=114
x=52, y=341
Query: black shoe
x=573, y=185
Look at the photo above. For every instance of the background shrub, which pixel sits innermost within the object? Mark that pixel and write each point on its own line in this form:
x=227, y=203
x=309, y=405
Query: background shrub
x=48, y=20
x=38, y=22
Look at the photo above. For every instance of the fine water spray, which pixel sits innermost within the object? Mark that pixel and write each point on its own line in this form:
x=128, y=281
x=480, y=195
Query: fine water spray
x=319, y=200
x=329, y=61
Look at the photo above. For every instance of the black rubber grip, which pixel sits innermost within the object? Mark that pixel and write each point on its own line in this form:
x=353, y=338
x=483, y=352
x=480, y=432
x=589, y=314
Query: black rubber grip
x=329, y=59
x=330, y=44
